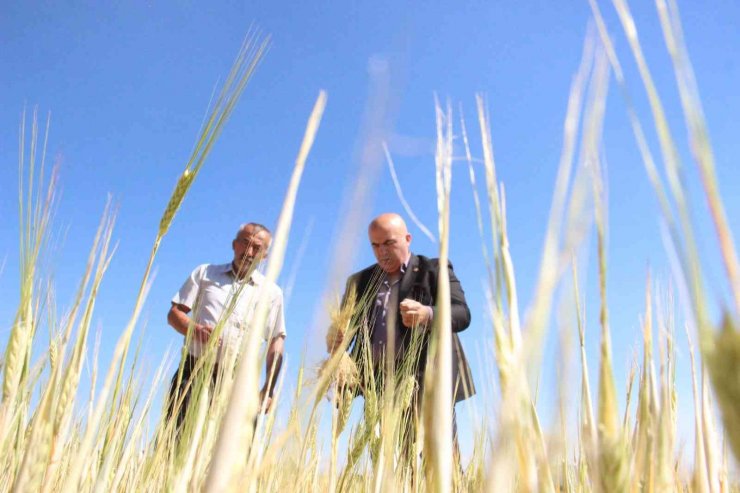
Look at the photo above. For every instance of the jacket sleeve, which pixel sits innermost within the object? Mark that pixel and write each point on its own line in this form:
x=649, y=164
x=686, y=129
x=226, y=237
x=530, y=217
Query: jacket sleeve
x=352, y=282
x=460, y=313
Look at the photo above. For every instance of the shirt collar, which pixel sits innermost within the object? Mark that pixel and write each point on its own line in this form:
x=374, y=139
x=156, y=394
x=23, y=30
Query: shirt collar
x=255, y=279
x=405, y=265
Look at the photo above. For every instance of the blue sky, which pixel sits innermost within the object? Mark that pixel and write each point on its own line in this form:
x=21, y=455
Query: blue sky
x=127, y=85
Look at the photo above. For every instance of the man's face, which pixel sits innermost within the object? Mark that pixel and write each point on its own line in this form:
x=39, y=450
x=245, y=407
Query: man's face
x=390, y=246
x=249, y=246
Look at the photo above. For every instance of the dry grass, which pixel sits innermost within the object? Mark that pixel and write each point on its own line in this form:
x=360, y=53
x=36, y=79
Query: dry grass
x=225, y=443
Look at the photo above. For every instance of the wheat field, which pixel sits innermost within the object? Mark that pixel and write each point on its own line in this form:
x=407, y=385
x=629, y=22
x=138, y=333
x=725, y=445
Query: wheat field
x=54, y=438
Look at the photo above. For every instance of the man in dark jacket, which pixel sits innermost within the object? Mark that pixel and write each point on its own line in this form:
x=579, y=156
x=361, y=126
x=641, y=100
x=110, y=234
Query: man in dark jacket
x=395, y=301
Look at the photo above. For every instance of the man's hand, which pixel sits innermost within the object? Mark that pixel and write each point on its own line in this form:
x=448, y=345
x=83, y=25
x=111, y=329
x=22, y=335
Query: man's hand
x=202, y=332
x=265, y=400
x=179, y=319
x=414, y=314
x=334, y=339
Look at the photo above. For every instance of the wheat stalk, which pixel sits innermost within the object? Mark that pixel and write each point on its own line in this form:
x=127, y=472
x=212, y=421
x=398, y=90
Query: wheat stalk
x=243, y=406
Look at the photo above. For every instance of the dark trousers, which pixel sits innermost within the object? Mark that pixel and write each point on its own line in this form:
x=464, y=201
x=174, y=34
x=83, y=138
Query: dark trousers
x=180, y=392
x=409, y=421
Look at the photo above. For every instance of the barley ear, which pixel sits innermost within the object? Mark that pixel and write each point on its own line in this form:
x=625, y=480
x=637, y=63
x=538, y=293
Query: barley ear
x=181, y=188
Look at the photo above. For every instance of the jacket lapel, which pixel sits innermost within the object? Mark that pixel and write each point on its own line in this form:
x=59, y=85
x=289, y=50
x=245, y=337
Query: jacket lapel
x=408, y=277
x=368, y=289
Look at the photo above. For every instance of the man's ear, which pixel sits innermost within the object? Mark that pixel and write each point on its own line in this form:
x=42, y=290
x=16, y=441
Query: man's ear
x=233, y=244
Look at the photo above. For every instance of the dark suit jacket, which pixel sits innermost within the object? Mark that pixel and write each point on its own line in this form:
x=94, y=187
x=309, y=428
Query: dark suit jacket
x=419, y=283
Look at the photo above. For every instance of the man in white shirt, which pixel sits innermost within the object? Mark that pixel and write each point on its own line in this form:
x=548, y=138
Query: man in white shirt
x=228, y=293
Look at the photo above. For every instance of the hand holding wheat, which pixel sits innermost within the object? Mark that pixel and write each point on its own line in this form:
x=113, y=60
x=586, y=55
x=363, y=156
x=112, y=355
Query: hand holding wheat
x=202, y=332
x=414, y=314
x=334, y=339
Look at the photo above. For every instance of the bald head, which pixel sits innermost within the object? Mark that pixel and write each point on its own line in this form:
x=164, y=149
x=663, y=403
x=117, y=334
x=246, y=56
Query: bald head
x=388, y=221
x=390, y=240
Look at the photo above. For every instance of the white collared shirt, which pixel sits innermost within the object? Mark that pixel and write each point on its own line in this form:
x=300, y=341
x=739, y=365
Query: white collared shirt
x=209, y=292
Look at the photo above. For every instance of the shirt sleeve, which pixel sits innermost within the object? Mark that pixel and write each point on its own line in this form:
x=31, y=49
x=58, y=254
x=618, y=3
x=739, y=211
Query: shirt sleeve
x=188, y=293
x=276, y=325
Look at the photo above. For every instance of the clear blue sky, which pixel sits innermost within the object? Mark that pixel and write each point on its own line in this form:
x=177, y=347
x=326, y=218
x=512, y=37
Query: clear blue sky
x=128, y=83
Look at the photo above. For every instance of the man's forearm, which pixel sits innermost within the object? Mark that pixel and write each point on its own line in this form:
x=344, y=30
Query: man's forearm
x=458, y=306
x=273, y=363
x=460, y=317
x=179, y=320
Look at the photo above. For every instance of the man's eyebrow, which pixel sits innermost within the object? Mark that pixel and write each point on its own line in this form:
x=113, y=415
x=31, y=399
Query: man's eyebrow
x=389, y=241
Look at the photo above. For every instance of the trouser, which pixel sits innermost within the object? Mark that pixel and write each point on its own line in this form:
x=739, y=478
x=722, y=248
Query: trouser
x=181, y=391
x=409, y=420
x=409, y=425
